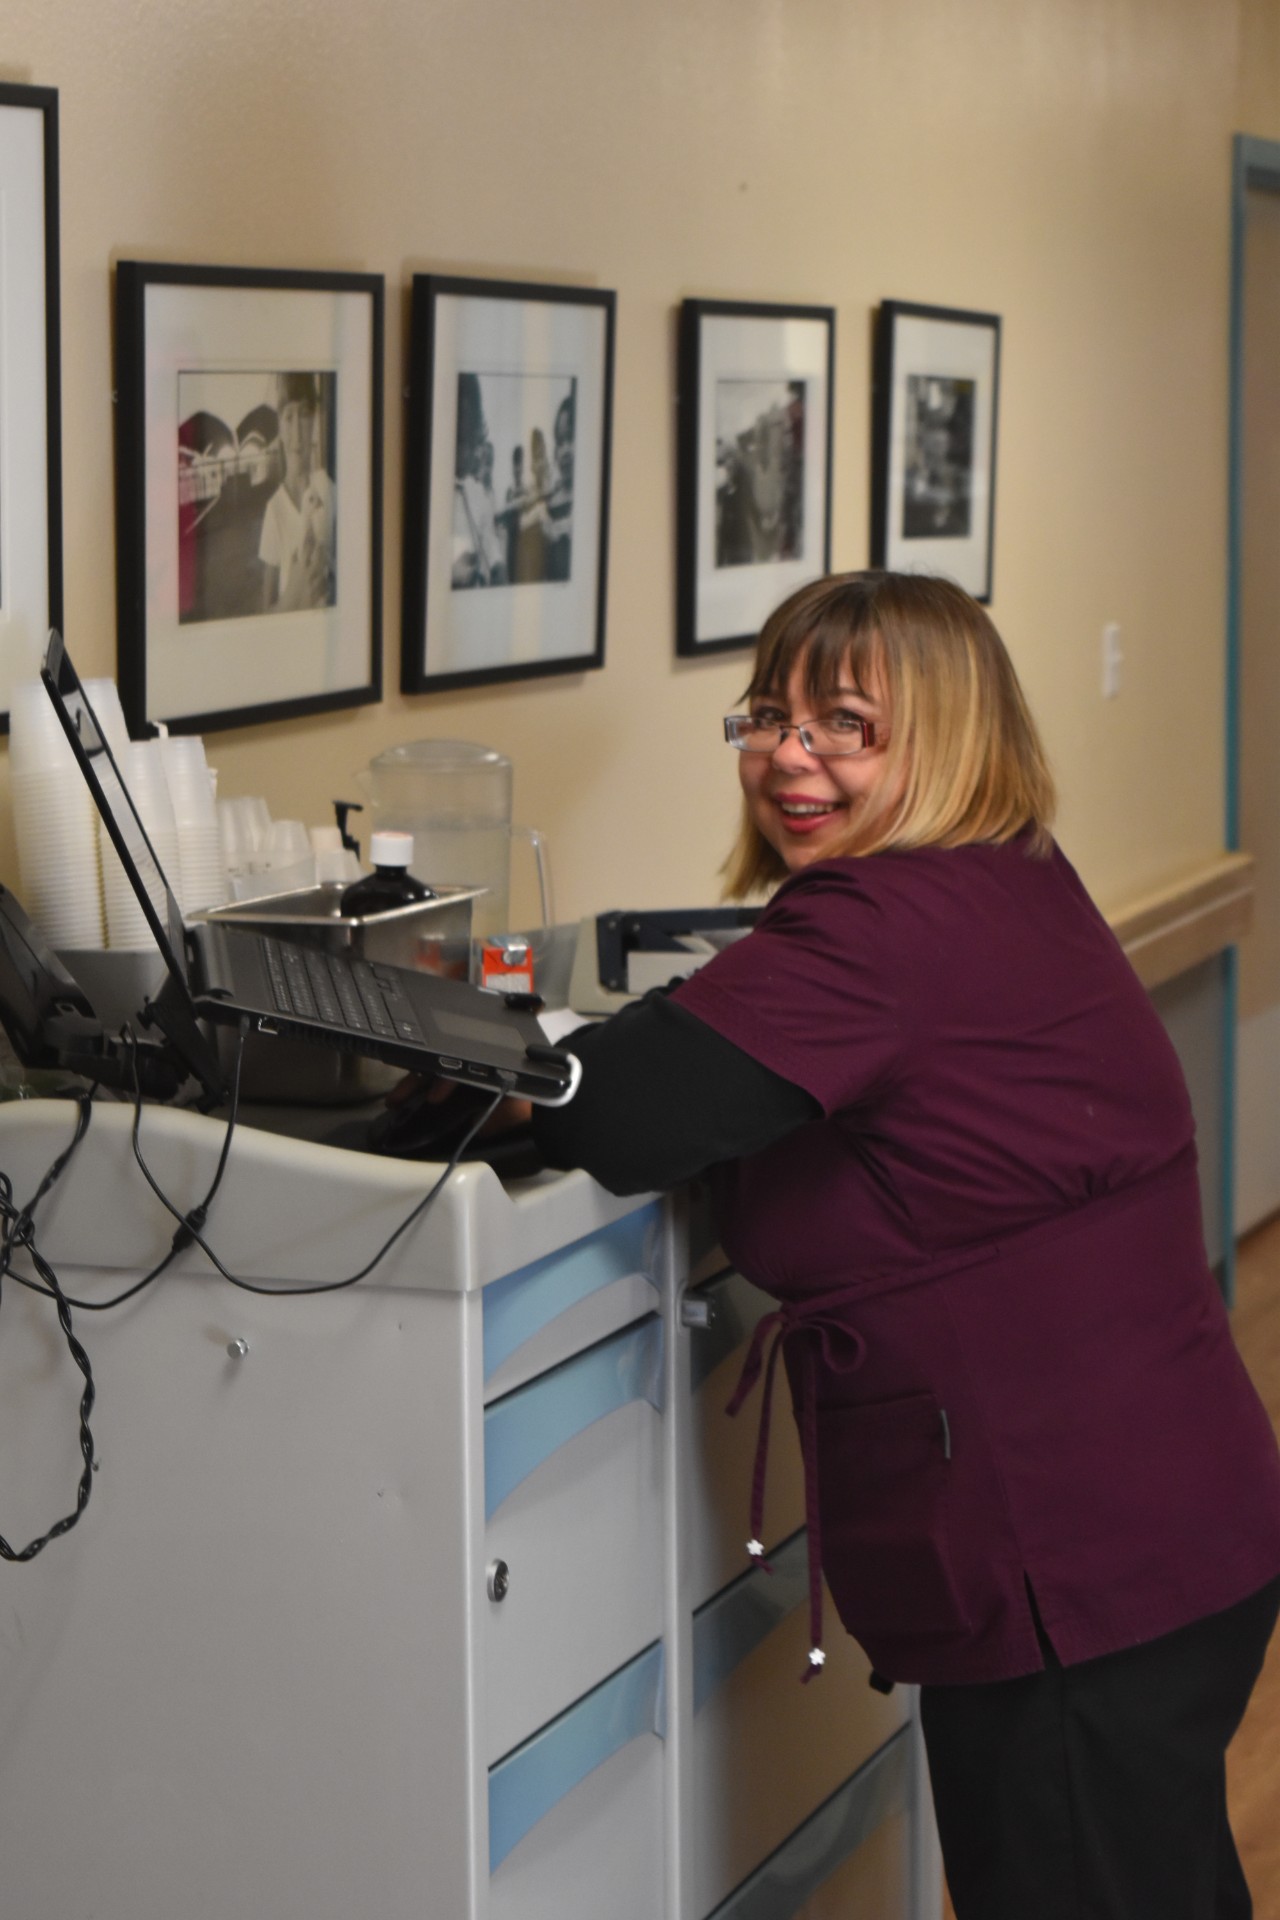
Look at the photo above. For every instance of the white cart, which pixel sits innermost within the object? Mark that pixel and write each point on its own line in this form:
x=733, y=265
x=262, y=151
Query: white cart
x=423, y=1600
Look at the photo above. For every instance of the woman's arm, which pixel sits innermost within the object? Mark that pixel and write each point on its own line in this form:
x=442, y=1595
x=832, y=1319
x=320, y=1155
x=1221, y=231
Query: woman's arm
x=664, y=1096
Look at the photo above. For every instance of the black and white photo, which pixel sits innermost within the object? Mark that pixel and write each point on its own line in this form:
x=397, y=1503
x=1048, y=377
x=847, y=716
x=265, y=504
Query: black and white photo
x=759, y=471
x=257, y=494
x=507, y=481
x=30, y=412
x=933, y=442
x=249, y=519
x=937, y=486
x=513, y=479
x=754, y=471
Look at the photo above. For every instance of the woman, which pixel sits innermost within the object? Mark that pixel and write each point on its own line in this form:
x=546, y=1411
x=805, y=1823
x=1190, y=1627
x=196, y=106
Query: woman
x=944, y=1127
x=532, y=540
x=297, y=547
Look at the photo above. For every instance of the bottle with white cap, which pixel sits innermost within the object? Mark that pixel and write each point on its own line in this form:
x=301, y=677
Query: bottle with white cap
x=390, y=884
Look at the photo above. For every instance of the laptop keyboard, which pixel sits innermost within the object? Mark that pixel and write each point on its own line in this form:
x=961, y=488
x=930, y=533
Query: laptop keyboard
x=356, y=995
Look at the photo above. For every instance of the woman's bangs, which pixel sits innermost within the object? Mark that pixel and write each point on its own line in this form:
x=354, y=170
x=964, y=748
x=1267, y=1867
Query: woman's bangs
x=836, y=654
x=839, y=644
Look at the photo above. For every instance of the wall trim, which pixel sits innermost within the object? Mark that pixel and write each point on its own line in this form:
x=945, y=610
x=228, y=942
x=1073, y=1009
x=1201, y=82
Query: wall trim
x=1189, y=919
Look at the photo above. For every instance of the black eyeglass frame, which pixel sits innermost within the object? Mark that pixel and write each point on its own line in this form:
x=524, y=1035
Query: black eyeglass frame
x=734, y=723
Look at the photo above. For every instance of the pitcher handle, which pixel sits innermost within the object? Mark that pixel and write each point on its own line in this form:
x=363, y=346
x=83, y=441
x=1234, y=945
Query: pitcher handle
x=543, y=858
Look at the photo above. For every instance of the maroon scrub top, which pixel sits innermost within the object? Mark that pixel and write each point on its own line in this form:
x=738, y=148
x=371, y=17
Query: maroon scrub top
x=1011, y=1364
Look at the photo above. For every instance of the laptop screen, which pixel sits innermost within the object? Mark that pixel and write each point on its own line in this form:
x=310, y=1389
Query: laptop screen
x=115, y=804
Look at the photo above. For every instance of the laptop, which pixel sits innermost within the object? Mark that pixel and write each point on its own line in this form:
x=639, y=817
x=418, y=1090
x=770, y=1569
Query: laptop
x=225, y=974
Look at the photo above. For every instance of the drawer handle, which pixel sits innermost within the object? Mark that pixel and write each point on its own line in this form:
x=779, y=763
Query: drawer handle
x=520, y=1304
x=734, y=1306
x=525, y=1786
x=698, y=1311
x=733, y=1625
x=526, y=1427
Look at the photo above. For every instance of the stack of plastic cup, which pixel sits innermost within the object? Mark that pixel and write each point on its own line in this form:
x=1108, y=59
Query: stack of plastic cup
x=291, y=860
x=334, y=862
x=142, y=766
x=201, y=879
x=53, y=819
x=245, y=826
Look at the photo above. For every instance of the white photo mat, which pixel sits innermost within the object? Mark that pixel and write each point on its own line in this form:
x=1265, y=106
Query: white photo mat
x=527, y=626
x=26, y=596
x=946, y=349
x=218, y=666
x=736, y=601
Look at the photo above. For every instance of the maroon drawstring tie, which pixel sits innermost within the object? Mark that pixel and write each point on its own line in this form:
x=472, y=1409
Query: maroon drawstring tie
x=818, y=1328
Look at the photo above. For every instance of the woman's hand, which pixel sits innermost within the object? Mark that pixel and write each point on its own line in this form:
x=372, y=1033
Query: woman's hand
x=509, y=1113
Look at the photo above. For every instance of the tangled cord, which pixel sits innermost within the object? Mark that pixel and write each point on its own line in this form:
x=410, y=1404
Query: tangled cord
x=189, y=1224
x=17, y=1234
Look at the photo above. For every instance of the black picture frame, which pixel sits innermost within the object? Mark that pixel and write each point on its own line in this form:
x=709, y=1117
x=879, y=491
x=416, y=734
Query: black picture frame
x=240, y=598
x=934, y=414
x=753, y=467
x=30, y=385
x=505, y=570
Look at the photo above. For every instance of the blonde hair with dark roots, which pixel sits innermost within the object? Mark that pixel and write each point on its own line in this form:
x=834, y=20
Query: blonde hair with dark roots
x=964, y=761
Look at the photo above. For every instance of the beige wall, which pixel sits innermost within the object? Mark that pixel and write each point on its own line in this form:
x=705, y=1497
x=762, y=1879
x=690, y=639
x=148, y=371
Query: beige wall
x=1062, y=162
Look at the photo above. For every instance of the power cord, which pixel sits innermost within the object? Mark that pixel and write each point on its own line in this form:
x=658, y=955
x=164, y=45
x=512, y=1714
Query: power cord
x=183, y=1236
x=17, y=1232
x=189, y=1223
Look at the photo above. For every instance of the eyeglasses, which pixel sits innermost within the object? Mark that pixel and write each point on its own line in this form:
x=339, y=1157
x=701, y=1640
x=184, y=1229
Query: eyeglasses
x=833, y=736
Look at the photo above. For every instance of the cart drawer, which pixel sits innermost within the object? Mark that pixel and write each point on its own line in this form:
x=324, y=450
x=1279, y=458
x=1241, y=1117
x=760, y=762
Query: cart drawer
x=576, y=1813
x=573, y=1479
x=544, y=1312
x=766, y=1750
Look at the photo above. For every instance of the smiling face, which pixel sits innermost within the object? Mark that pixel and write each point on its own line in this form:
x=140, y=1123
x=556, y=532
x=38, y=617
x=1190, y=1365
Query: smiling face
x=800, y=804
x=297, y=431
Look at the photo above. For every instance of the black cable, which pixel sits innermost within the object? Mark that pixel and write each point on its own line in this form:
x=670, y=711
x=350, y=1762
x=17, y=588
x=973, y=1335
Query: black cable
x=189, y=1224
x=19, y=1231
x=182, y=1237
x=323, y=1286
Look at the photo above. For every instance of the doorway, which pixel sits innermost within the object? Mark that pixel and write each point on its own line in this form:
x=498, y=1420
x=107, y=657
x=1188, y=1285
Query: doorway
x=1253, y=664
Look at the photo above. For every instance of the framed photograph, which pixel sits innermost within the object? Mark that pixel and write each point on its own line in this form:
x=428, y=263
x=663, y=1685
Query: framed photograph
x=507, y=481
x=30, y=460
x=933, y=448
x=248, y=493
x=754, y=465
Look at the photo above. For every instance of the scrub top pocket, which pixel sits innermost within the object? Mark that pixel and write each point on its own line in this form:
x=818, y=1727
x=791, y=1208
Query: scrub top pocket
x=884, y=1490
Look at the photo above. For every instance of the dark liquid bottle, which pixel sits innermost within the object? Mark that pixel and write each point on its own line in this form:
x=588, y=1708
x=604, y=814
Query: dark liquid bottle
x=390, y=884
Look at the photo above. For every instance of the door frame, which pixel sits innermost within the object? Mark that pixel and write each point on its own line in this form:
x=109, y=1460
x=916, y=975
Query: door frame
x=1255, y=168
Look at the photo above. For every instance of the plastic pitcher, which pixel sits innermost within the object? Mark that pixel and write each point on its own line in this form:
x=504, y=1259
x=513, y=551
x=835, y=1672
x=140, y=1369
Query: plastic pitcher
x=454, y=797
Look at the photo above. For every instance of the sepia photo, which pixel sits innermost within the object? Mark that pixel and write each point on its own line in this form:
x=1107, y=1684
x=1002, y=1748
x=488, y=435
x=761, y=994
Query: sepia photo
x=257, y=493
x=513, y=479
x=760, y=429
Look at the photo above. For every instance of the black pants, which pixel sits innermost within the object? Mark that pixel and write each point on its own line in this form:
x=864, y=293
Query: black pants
x=1098, y=1792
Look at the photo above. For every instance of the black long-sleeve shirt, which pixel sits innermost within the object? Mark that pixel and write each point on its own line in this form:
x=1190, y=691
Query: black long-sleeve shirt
x=663, y=1096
